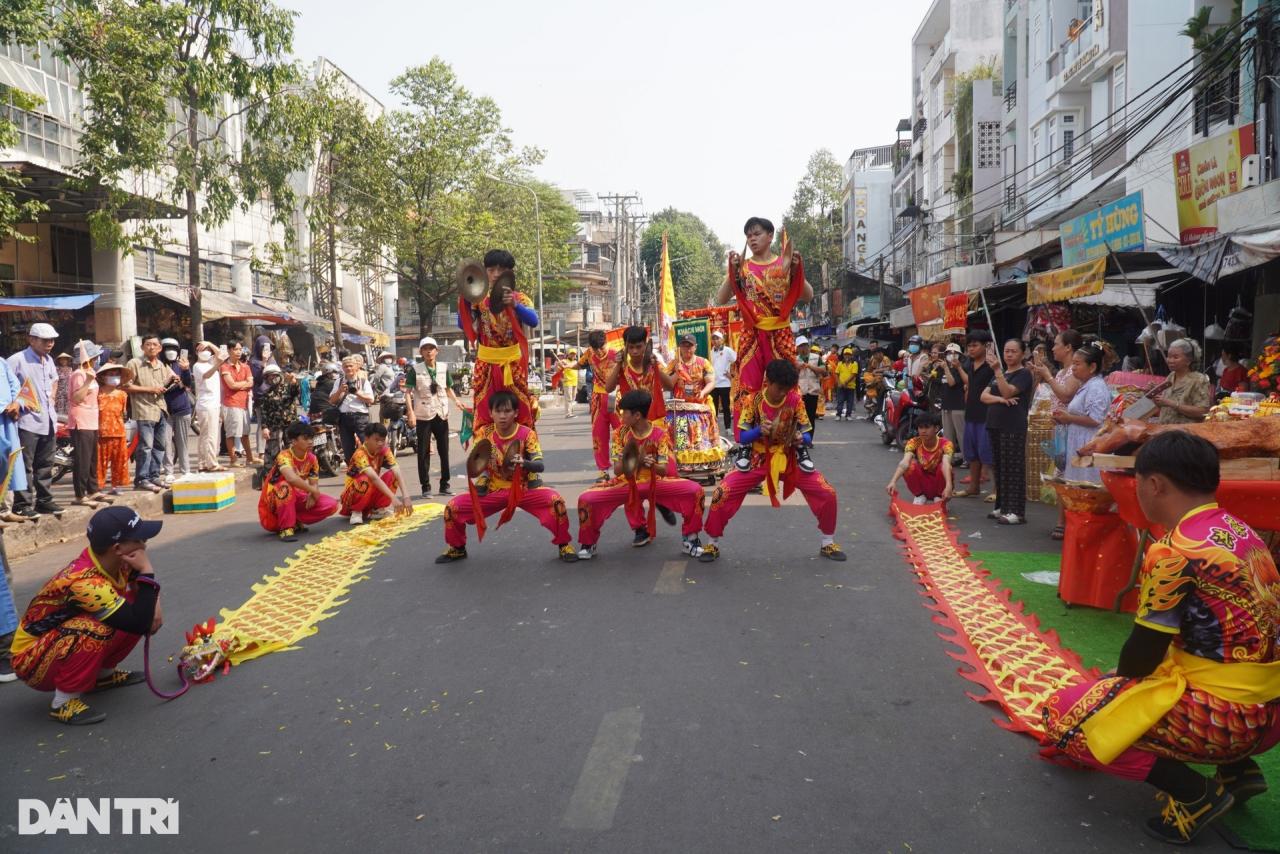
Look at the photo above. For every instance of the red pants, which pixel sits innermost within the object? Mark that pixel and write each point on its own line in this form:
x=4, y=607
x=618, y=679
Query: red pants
x=69, y=656
x=930, y=484
x=113, y=453
x=287, y=511
x=543, y=503
x=603, y=423
x=728, y=496
x=596, y=505
x=363, y=497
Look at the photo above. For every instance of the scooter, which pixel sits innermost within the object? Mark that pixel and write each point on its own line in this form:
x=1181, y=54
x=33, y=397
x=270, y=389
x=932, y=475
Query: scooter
x=902, y=406
x=325, y=446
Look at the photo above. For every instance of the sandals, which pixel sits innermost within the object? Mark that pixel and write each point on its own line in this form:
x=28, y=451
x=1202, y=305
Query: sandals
x=1058, y=532
x=990, y=499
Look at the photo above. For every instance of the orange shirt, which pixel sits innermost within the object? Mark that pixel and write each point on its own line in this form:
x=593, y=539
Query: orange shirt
x=111, y=406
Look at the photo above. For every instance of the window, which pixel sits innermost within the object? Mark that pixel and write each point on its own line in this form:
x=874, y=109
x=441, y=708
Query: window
x=988, y=146
x=149, y=262
x=71, y=252
x=1037, y=138
x=1068, y=145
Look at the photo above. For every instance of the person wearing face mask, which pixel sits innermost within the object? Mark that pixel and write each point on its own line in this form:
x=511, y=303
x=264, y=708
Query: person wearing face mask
x=89, y=617
x=277, y=408
x=113, y=451
x=177, y=397
x=82, y=420
x=917, y=356
x=208, y=386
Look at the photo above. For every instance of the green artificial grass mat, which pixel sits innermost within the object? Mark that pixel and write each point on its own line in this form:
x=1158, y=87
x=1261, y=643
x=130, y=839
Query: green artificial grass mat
x=1096, y=636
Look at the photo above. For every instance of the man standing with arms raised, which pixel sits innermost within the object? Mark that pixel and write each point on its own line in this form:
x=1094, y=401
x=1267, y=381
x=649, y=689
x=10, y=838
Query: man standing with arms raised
x=502, y=350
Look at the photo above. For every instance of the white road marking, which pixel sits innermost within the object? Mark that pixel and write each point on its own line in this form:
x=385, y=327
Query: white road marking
x=599, y=789
x=671, y=579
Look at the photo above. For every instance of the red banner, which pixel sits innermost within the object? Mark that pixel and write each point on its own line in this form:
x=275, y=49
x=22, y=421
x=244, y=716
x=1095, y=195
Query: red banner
x=926, y=302
x=955, y=315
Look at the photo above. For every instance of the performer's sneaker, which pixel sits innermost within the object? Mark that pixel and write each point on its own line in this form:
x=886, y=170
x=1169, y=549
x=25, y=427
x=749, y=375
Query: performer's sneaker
x=642, y=538
x=1180, y=822
x=709, y=552
x=586, y=552
x=692, y=546
x=379, y=514
x=76, y=713
x=804, y=461
x=668, y=515
x=451, y=554
x=1249, y=783
x=604, y=477
x=568, y=553
x=289, y=535
x=742, y=458
x=118, y=679
x=834, y=552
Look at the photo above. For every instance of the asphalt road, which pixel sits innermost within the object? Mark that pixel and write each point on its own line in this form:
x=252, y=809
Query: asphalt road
x=773, y=701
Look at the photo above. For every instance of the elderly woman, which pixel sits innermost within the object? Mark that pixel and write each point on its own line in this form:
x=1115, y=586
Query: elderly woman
x=1087, y=409
x=1189, y=395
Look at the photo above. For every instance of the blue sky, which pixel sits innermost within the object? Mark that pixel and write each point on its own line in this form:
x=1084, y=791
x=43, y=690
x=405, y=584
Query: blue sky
x=710, y=107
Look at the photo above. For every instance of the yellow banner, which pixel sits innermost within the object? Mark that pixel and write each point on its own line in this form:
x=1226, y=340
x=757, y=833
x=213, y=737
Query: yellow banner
x=667, y=306
x=1069, y=283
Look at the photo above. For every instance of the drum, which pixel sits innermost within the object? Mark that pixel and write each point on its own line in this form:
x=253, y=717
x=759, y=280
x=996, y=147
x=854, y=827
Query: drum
x=699, y=450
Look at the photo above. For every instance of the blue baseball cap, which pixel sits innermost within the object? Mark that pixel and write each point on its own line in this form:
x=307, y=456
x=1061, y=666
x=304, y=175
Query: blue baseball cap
x=113, y=525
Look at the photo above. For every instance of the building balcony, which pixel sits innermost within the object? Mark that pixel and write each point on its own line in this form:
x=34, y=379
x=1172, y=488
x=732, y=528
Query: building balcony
x=1011, y=96
x=941, y=57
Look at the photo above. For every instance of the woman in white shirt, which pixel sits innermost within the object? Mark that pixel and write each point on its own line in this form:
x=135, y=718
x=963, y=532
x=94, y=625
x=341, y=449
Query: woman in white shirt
x=204, y=376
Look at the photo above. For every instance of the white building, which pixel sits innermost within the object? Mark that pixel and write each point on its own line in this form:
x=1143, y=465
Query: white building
x=867, y=209
x=147, y=290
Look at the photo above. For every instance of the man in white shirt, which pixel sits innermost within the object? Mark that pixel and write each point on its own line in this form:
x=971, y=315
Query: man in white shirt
x=811, y=374
x=429, y=385
x=208, y=386
x=722, y=359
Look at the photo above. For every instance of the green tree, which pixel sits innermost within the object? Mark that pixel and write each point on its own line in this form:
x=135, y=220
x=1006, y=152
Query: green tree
x=422, y=194
x=697, y=255
x=22, y=22
x=165, y=81
x=813, y=222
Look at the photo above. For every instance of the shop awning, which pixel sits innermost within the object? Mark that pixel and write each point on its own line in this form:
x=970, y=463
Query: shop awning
x=376, y=337
x=293, y=310
x=216, y=305
x=902, y=317
x=67, y=303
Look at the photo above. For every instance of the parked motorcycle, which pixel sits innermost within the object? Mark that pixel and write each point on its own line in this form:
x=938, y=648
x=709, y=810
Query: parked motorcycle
x=64, y=451
x=903, y=405
x=400, y=436
x=327, y=448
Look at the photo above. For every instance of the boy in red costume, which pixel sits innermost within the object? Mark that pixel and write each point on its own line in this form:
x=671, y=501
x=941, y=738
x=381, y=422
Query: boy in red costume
x=653, y=446
x=514, y=453
x=776, y=428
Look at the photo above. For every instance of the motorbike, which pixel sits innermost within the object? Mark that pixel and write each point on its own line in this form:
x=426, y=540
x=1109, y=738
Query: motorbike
x=400, y=436
x=904, y=402
x=64, y=450
x=325, y=446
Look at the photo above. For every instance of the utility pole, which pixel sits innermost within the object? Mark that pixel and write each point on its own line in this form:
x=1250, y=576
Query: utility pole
x=335, y=290
x=621, y=261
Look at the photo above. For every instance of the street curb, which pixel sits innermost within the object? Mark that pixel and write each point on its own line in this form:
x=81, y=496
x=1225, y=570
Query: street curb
x=27, y=538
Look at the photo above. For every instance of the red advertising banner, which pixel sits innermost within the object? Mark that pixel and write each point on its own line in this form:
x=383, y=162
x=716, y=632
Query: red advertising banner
x=926, y=302
x=955, y=315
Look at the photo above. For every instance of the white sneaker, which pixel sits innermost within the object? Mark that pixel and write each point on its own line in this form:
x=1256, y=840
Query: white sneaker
x=355, y=519
x=919, y=499
x=380, y=513
x=586, y=552
x=692, y=546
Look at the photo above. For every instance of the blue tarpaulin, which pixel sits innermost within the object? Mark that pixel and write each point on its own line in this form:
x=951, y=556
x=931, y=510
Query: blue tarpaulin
x=69, y=303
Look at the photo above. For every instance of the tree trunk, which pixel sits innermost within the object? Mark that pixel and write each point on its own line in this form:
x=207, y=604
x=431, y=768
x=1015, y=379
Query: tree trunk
x=193, y=230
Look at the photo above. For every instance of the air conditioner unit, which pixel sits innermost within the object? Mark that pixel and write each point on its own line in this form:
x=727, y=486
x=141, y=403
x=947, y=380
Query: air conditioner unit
x=1250, y=171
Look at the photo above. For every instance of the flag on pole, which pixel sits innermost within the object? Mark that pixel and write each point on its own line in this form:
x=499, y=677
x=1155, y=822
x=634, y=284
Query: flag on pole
x=665, y=339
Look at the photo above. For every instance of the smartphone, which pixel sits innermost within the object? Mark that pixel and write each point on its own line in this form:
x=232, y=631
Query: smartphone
x=182, y=354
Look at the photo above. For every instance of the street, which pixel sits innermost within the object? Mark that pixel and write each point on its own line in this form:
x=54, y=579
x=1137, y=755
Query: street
x=639, y=702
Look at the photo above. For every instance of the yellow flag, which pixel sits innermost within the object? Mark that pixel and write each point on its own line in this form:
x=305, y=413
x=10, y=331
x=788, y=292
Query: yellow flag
x=666, y=305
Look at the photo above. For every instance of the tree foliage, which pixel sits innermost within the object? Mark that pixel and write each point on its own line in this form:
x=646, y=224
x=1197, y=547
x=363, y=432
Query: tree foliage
x=22, y=22
x=697, y=255
x=194, y=105
x=813, y=222
x=431, y=185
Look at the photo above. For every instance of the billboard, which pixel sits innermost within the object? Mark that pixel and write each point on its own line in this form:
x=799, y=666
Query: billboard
x=926, y=301
x=1118, y=225
x=1204, y=173
x=1082, y=280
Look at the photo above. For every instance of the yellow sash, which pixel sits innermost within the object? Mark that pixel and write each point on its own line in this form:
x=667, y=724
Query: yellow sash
x=777, y=455
x=505, y=356
x=1116, y=726
x=772, y=324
